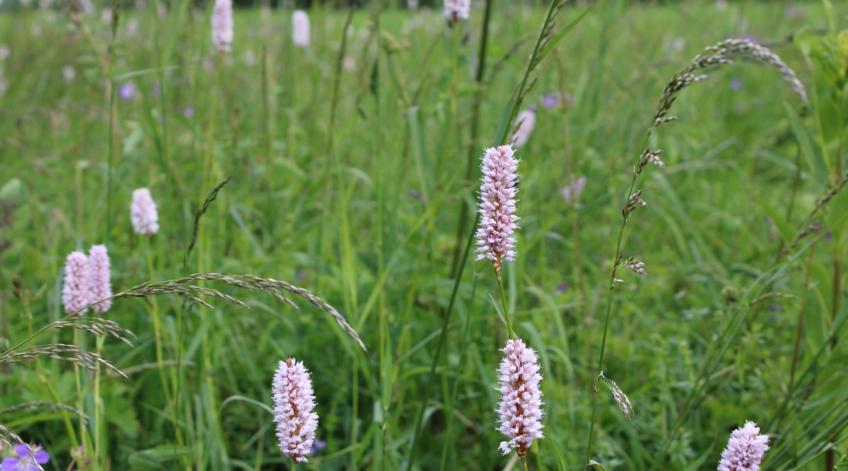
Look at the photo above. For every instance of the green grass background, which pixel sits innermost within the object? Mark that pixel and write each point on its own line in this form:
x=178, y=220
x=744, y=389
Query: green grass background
x=362, y=209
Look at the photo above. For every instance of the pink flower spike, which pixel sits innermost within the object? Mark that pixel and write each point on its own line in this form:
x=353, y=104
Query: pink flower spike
x=222, y=25
x=498, y=222
x=300, y=28
x=76, y=292
x=745, y=449
x=98, y=278
x=521, y=399
x=294, y=405
x=455, y=10
x=145, y=218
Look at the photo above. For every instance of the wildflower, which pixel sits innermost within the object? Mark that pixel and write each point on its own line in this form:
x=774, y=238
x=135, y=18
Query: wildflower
x=456, y=10
x=571, y=192
x=300, y=28
x=69, y=73
x=551, y=100
x=222, y=25
x=745, y=449
x=27, y=459
x=498, y=221
x=736, y=84
x=524, y=125
x=521, y=399
x=412, y=4
x=188, y=112
x=98, y=277
x=4, y=52
x=76, y=292
x=294, y=404
x=127, y=91
x=145, y=219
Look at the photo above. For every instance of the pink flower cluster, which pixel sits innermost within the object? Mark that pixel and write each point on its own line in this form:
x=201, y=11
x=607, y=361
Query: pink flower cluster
x=745, y=449
x=455, y=10
x=87, y=280
x=521, y=399
x=145, y=218
x=294, y=404
x=498, y=221
x=222, y=25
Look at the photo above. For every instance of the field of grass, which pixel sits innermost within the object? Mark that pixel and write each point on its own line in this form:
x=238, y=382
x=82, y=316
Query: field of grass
x=352, y=170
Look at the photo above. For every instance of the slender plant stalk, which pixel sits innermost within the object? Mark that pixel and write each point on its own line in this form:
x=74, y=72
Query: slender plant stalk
x=517, y=98
x=612, y=280
x=476, y=105
x=799, y=328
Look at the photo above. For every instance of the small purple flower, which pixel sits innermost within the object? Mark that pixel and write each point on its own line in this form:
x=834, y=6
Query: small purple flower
x=736, y=84
x=28, y=459
x=188, y=112
x=127, y=91
x=317, y=447
x=551, y=100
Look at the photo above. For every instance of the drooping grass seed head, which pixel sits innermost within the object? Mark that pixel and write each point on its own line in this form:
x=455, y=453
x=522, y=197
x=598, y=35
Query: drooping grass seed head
x=520, y=407
x=76, y=292
x=498, y=221
x=294, y=404
x=143, y=213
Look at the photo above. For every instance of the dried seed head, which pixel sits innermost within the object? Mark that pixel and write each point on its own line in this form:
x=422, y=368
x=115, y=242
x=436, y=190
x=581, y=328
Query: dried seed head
x=619, y=396
x=521, y=398
x=294, y=404
x=635, y=265
x=721, y=54
x=650, y=156
x=633, y=202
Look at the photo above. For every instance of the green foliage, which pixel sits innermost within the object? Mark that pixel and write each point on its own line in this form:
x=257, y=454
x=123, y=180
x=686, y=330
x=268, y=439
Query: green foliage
x=355, y=197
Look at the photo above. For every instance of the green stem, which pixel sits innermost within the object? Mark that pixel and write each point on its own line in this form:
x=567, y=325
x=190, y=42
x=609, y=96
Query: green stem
x=505, y=307
x=610, y=295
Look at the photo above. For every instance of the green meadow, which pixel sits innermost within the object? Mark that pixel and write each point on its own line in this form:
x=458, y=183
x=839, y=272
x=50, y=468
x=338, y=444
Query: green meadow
x=351, y=168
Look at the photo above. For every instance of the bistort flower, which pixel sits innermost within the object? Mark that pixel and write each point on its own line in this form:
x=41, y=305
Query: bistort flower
x=145, y=219
x=521, y=399
x=294, y=404
x=98, y=278
x=76, y=292
x=498, y=221
x=222, y=25
x=456, y=10
x=745, y=449
x=300, y=28
x=524, y=124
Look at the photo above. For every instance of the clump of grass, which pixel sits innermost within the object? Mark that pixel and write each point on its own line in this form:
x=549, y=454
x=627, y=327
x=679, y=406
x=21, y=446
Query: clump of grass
x=721, y=53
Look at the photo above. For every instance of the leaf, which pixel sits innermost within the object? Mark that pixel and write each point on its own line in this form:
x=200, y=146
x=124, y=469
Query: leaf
x=153, y=458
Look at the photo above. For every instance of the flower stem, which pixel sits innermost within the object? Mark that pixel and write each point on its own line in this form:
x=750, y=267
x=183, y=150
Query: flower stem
x=505, y=307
